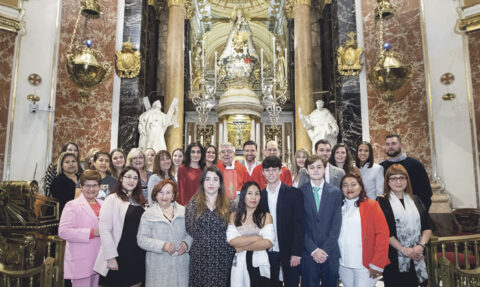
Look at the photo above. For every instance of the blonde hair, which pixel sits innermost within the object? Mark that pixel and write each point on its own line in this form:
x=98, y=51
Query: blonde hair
x=134, y=152
x=296, y=169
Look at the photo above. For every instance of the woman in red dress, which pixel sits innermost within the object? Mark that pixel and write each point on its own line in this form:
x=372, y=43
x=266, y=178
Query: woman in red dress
x=189, y=172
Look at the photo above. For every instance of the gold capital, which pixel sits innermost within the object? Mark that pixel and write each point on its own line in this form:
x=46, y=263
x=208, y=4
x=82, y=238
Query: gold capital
x=176, y=3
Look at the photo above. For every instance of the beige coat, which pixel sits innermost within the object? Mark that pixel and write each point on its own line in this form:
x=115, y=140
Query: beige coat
x=154, y=231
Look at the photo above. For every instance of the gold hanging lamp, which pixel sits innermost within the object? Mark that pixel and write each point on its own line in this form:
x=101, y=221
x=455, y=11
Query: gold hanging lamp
x=83, y=65
x=389, y=73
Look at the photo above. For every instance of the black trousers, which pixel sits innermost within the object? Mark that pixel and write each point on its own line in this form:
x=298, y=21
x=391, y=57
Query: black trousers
x=291, y=275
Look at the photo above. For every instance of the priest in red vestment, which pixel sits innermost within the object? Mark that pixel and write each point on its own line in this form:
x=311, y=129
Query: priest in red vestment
x=234, y=173
x=271, y=149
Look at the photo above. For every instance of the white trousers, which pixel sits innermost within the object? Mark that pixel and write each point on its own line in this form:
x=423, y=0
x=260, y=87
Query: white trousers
x=356, y=277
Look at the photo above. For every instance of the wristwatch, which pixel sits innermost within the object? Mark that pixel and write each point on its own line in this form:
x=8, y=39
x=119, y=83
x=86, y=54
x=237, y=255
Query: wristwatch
x=422, y=243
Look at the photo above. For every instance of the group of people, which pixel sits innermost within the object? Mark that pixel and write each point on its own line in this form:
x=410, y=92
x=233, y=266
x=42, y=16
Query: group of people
x=202, y=218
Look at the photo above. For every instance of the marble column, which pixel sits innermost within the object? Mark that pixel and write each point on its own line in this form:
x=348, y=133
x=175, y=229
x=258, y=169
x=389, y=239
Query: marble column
x=303, y=70
x=175, y=69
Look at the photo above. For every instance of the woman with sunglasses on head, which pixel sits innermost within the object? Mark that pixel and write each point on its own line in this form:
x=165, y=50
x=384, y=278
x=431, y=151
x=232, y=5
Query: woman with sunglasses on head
x=250, y=232
x=189, y=172
x=121, y=262
x=410, y=228
x=364, y=235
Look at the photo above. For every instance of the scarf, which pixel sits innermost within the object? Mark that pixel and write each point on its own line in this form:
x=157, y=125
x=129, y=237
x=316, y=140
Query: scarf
x=407, y=221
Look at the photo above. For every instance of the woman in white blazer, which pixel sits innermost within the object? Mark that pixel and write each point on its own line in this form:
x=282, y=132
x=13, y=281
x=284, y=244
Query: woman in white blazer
x=121, y=262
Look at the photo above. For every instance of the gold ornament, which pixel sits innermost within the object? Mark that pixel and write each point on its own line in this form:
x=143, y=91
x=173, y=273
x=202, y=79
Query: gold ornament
x=84, y=69
x=128, y=61
x=349, y=57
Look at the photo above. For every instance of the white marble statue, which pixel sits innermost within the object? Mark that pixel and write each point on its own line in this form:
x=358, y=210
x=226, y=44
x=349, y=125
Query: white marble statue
x=320, y=124
x=153, y=124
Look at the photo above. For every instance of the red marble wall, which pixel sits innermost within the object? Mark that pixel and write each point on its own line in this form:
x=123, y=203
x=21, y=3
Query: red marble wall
x=88, y=124
x=474, y=50
x=407, y=116
x=7, y=51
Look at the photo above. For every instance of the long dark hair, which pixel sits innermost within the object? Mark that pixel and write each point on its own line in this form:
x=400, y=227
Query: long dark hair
x=137, y=194
x=259, y=214
x=369, y=160
x=215, y=161
x=363, y=194
x=222, y=204
x=187, y=160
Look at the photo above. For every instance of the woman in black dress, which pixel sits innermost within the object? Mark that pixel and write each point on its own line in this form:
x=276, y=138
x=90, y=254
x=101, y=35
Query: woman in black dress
x=120, y=261
x=206, y=219
x=63, y=186
x=410, y=229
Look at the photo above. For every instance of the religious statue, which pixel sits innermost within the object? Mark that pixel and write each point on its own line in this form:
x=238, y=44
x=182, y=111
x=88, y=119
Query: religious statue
x=320, y=124
x=153, y=124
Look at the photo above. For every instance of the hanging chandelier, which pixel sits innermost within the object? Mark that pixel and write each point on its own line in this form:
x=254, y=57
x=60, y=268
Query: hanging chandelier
x=274, y=90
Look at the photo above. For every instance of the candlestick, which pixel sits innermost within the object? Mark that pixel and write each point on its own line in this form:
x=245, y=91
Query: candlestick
x=288, y=143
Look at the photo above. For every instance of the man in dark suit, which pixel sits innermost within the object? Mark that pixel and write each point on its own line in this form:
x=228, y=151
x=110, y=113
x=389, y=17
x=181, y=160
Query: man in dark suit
x=285, y=204
x=323, y=221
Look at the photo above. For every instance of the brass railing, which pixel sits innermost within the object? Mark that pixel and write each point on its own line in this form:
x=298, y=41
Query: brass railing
x=462, y=272
x=48, y=274
x=41, y=276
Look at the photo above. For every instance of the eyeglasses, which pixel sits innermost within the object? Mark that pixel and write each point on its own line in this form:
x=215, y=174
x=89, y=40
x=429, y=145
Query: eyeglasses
x=90, y=186
x=129, y=177
x=397, y=178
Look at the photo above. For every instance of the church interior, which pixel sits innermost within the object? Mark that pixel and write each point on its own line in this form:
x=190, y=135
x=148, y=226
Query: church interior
x=236, y=70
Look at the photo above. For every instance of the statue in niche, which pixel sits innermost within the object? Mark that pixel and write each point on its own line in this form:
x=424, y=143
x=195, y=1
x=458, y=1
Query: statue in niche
x=280, y=68
x=153, y=124
x=320, y=124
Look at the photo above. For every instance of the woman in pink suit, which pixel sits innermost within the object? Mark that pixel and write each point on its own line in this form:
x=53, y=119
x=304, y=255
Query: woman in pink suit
x=79, y=227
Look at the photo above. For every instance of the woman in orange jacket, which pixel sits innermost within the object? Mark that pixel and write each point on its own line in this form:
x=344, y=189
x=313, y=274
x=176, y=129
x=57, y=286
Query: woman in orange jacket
x=364, y=236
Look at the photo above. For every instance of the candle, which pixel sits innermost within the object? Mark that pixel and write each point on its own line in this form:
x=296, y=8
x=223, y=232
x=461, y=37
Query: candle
x=261, y=64
x=276, y=139
x=212, y=141
x=288, y=143
x=189, y=139
x=203, y=55
x=190, y=66
x=201, y=140
x=286, y=64
x=264, y=142
x=274, y=62
x=215, y=67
